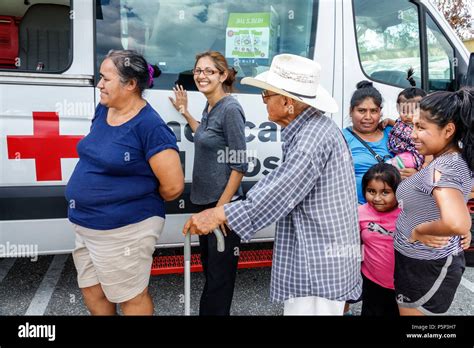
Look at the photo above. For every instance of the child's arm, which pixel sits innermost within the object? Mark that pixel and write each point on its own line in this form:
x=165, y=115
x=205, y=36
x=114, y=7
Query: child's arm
x=387, y=122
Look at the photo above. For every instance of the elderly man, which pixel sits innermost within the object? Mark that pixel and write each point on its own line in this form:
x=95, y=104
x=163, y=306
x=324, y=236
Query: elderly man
x=311, y=196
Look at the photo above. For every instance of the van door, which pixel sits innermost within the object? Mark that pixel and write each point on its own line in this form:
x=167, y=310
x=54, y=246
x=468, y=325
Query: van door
x=382, y=42
x=46, y=104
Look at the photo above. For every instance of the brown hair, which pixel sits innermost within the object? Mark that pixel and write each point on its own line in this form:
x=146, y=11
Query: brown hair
x=221, y=64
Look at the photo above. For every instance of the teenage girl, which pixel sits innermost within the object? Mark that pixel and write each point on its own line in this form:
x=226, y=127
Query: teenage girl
x=434, y=225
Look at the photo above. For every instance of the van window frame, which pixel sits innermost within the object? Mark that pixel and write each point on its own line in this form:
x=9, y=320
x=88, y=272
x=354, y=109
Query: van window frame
x=423, y=42
x=19, y=72
x=358, y=49
x=95, y=10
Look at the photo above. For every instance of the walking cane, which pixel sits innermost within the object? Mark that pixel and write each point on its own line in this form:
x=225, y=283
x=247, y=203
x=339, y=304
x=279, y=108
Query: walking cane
x=187, y=266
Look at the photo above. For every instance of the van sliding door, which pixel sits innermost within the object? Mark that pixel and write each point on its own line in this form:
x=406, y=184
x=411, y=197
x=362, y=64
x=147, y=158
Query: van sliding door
x=384, y=41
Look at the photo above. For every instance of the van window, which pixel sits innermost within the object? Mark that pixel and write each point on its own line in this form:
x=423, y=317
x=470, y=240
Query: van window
x=170, y=33
x=35, y=37
x=441, y=60
x=388, y=40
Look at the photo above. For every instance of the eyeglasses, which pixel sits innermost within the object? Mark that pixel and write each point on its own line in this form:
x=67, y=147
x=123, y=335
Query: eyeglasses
x=265, y=96
x=207, y=71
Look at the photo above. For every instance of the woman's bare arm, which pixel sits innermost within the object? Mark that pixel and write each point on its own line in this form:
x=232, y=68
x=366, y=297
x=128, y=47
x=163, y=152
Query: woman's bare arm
x=455, y=218
x=167, y=168
x=231, y=187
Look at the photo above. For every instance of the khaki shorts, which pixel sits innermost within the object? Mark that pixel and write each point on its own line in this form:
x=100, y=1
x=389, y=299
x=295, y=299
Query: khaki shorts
x=119, y=259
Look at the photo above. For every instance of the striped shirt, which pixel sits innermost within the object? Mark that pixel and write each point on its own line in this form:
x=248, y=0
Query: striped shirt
x=414, y=195
x=312, y=198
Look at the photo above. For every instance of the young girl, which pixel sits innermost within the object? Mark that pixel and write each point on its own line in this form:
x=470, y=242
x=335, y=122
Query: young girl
x=400, y=142
x=429, y=258
x=377, y=220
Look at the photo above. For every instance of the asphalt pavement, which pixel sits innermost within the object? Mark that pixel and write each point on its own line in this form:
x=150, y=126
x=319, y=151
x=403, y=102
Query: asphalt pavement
x=48, y=286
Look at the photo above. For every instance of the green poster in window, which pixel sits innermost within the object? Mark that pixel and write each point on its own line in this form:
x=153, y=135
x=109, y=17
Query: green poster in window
x=251, y=35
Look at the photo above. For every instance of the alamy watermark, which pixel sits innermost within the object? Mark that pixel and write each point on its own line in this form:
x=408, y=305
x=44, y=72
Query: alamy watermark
x=236, y=156
x=28, y=330
x=19, y=250
x=345, y=251
x=73, y=109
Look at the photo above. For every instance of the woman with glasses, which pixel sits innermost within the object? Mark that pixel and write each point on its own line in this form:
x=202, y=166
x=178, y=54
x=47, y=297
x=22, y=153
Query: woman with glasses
x=219, y=166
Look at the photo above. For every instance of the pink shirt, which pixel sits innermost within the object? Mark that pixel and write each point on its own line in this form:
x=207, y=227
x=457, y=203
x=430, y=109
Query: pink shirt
x=377, y=229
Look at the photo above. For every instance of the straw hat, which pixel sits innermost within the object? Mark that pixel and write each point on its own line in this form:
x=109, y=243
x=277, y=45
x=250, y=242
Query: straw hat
x=297, y=78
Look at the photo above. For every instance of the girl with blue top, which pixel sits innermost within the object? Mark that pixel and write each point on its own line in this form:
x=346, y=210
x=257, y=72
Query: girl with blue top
x=434, y=225
x=128, y=167
x=368, y=144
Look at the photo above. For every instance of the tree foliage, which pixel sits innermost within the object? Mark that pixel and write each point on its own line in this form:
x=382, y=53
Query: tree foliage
x=459, y=15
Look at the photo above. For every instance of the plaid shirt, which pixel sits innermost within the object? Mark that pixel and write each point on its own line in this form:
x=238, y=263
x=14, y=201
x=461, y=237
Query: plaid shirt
x=312, y=198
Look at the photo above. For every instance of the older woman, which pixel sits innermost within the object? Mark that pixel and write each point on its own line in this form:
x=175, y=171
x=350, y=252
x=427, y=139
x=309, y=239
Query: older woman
x=368, y=144
x=129, y=166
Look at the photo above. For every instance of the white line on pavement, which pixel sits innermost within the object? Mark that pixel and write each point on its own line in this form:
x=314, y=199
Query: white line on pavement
x=5, y=266
x=45, y=291
x=467, y=284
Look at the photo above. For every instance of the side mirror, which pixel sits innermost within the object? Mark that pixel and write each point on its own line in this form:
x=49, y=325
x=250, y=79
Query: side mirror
x=469, y=79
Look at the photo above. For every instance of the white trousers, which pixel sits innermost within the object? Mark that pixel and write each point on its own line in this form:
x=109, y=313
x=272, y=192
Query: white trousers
x=313, y=305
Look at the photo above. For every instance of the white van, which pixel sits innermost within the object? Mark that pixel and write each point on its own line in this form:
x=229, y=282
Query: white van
x=50, y=51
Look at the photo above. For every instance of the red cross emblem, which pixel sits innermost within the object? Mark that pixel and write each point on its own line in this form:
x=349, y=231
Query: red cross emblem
x=45, y=146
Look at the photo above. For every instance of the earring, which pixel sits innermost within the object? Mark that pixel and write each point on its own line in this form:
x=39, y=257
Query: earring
x=460, y=144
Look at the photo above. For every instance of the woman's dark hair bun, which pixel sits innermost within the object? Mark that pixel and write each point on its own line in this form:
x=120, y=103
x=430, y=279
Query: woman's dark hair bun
x=364, y=84
x=156, y=71
x=365, y=89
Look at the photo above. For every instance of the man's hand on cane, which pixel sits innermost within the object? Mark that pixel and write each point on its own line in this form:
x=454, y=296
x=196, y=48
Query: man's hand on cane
x=206, y=221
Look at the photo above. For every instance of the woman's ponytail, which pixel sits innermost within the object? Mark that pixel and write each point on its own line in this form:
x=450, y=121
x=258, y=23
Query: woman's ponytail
x=465, y=98
x=229, y=82
x=458, y=108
